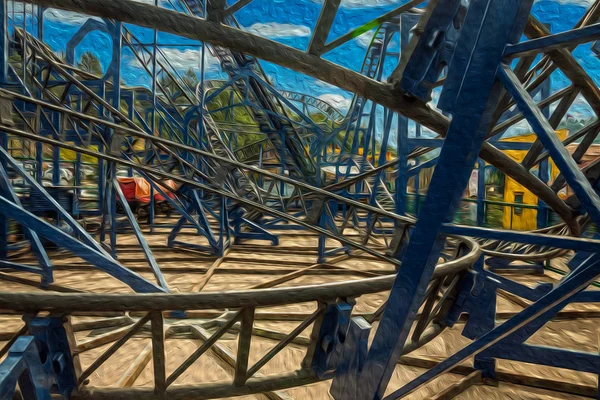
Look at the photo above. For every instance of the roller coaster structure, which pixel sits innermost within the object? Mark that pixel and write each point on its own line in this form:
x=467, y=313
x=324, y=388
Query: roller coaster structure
x=251, y=161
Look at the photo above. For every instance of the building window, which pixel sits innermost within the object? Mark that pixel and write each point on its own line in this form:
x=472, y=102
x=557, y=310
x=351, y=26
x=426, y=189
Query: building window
x=518, y=200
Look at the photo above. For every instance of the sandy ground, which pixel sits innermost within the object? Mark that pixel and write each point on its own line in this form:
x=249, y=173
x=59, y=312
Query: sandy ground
x=185, y=269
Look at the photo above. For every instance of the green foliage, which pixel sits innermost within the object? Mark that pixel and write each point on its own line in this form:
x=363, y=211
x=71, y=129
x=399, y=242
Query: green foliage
x=190, y=79
x=90, y=63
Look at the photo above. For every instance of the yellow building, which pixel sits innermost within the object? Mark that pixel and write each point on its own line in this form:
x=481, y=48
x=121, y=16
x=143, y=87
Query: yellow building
x=523, y=218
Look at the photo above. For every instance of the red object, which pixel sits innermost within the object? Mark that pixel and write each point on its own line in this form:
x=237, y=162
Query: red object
x=138, y=189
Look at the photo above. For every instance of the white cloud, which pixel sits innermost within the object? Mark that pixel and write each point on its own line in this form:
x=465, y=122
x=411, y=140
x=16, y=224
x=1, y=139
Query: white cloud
x=365, y=39
x=336, y=100
x=365, y=3
x=581, y=3
x=17, y=7
x=181, y=60
x=581, y=108
x=368, y=3
x=189, y=58
x=520, y=128
x=75, y=18
x=277, y=30
x=67, y=17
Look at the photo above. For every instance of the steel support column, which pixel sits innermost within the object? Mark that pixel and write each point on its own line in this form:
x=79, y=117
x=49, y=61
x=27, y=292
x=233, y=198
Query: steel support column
x=473, y=91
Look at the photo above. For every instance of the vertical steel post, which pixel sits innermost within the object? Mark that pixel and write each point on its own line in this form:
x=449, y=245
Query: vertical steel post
x=480, y=192
x=544, y=167
x=472, y=92
x=4, y=42
x=111, y=198
x=3, y=136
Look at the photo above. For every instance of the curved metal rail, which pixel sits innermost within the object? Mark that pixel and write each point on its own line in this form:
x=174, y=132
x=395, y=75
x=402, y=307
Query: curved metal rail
x=251, y=303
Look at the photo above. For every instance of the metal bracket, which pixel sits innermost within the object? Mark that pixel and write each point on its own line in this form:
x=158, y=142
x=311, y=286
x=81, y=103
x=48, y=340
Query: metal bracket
x=55, y=355
x=23, y=365
x=478, y=299
x=332, y=335
x=435, y=42
x=352, y=359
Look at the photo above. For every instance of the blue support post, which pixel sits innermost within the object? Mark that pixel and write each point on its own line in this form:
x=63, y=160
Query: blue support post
x=55, y=341
x=4, y=42
x=351, y=359
x=547, y=306
x=40, y=22
x=402, y=177
x=4, y=228
x=87, y=253
x=564, y=161
x=37, y=248
x=470, y=94
x=76, y=183
x=140, y=237
x=407, y=22
x=332, y=333
x=480, y=192
x=417, y=193
x=544, y=166
x=23, y=365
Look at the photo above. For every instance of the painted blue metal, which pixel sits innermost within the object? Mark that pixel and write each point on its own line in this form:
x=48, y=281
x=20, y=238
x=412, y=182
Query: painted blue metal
x=23, y=365
x=469, y=38
x=246, y=229
x=7, y=191
x=581, y=256
x=352, y=359
x=140, y=236
x=81, y=233
x=332, y=335
x=89, y=254
x=435, y=53
x=569, y=38
x=561, y=242
x=4, y=42
x=568, y=167
x=548, y=305
x=55, y=351
x=471, y=97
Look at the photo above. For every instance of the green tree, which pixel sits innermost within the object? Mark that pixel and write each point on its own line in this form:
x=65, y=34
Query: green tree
x=190, y=79
x=90, y=63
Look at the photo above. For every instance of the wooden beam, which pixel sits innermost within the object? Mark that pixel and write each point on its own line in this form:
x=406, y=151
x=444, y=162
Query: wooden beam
x=211, y=271
x=158, y=352
x=112, y=349
x=135, y=369
x=457, y=388
x=243, y=349
x=321, y=31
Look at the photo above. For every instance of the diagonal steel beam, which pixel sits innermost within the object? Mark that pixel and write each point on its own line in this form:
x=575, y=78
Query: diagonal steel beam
x=221, y=35
x=87, y=253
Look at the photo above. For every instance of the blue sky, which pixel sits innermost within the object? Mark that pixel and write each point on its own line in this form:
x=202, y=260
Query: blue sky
x=291, y=22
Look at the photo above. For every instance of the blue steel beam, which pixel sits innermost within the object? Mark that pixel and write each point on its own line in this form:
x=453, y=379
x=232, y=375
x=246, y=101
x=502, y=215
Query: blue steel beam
x=561, y=157
x=81, y=233
x=557, y=241
x=4, y=40
x=140, y=236
x=553, y=301
x=473, y=94
x=36, y=245
x=62, y=239
x=23, y=365
x=569, y=38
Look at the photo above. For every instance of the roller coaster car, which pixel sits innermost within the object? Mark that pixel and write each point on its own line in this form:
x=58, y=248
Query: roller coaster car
x=137, y=194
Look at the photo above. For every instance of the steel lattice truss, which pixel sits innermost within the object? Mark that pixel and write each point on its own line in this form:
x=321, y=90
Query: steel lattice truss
x=237, y=160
